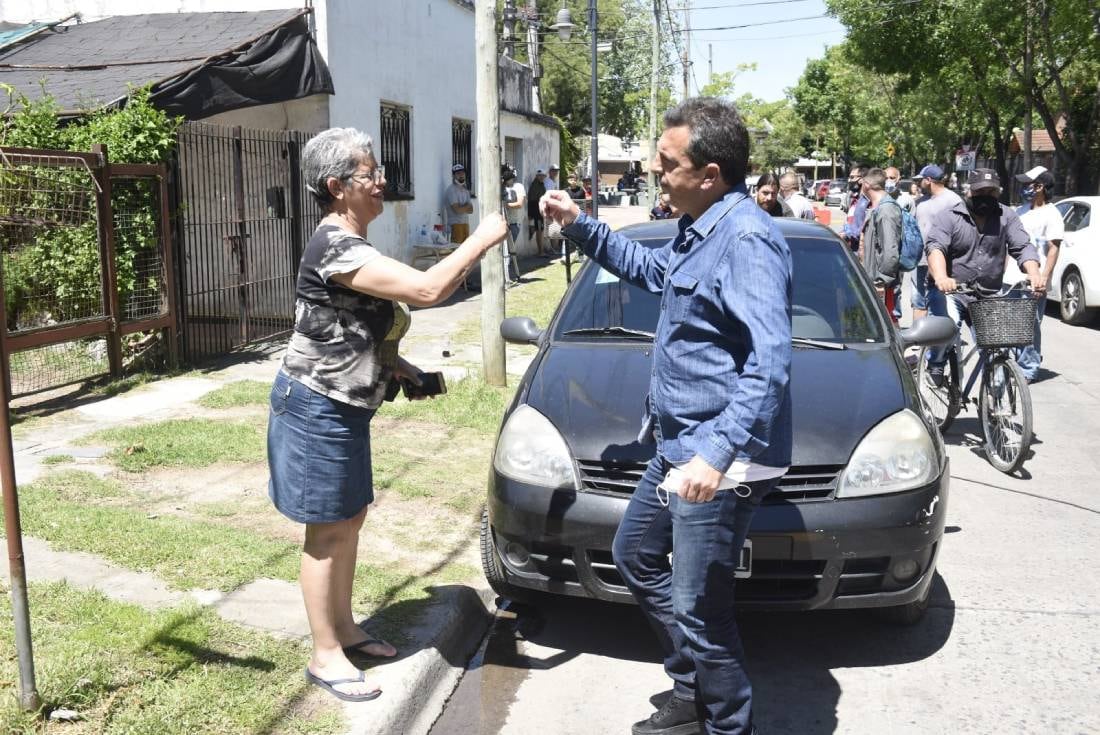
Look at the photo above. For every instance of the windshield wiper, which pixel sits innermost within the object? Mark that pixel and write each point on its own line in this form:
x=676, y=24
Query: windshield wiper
x=610, y=332
x=807, y=342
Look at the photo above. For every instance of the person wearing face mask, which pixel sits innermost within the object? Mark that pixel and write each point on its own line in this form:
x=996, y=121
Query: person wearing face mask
x=857, y=207
x=936, y=198
x=1044, y=225
x=457, y=205
x=968, y=244
x=894, y=189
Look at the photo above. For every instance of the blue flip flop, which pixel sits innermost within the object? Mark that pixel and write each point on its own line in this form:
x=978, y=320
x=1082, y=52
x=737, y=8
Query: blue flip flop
x=359, y=649
x=330, y=685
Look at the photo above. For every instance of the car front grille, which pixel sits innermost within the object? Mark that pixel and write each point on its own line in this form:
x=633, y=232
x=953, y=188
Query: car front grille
x=806, y=483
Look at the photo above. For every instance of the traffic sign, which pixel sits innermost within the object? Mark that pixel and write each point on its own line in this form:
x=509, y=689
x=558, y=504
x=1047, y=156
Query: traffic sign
x=890, y=150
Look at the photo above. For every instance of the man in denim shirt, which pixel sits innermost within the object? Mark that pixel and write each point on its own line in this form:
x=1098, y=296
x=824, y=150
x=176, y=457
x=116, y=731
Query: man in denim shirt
x=719, y=407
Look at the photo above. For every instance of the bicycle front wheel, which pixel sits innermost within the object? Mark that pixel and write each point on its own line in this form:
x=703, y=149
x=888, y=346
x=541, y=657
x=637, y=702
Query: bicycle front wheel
x=1005, y=411
x=942, y=394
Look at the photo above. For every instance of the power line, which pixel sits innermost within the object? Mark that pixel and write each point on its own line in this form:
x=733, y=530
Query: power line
x=744, y=5
x=744, y=39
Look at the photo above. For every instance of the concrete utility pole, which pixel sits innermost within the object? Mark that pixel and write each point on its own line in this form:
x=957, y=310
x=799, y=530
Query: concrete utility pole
x=654, y=61
x=687, y=49
x=531, y=14
x=488, y=188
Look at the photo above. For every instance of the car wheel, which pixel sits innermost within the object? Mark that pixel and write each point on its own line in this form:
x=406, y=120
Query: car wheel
x=493, y=567
x=1074, y=309
x=910, y=613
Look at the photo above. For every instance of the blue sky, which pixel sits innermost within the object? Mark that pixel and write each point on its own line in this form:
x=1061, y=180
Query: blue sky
x=780, y=50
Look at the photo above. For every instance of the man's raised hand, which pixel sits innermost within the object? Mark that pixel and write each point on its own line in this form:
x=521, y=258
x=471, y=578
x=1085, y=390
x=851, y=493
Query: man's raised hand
x=557, y=206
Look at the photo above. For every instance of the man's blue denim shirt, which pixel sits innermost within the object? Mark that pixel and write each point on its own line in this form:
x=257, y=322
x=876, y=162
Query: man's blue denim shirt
x=720, y=386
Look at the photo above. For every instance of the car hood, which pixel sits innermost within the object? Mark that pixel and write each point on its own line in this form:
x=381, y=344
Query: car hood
x=594, y=395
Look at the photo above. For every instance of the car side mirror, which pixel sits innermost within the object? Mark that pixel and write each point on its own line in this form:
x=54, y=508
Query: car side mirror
x=520, y=330
x=929, y=331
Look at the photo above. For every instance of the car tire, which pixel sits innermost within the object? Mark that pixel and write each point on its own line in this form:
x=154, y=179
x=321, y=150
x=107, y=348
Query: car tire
x=910, y=613
x=493, y=568
x=1072, y=299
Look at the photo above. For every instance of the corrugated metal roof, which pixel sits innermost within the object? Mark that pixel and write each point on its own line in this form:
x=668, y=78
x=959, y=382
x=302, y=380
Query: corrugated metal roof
x=91, y=65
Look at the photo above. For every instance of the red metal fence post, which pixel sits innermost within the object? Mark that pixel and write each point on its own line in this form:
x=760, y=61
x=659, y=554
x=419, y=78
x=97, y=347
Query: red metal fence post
x=109, y=269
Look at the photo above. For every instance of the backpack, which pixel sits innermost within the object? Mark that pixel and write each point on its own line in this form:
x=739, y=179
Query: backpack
x=912, y=244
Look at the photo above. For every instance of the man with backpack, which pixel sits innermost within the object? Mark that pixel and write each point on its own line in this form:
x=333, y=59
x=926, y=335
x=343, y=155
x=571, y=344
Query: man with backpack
x=882, y=238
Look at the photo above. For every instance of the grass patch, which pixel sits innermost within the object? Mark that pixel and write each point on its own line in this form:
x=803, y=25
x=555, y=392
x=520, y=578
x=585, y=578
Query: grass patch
x=400, y=599
x=127, y=670
x=57, y=459
x=537, y=299
x=238, y=393
x=469, y=404
x=69, y=510
x=183, y=443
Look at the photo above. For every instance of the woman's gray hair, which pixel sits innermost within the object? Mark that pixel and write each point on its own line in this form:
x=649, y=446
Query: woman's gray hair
x=333, y=153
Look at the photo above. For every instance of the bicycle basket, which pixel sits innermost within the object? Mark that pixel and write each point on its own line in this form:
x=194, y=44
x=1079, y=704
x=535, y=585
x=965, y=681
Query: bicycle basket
x=1003, y=321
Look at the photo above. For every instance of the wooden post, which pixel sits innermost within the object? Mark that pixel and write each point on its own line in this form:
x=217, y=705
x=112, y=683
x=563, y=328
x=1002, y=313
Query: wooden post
x=109, y=267
x=488, y=189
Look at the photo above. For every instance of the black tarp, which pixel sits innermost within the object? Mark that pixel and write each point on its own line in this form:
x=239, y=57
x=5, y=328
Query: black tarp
x=283, y=65
x=198, y=64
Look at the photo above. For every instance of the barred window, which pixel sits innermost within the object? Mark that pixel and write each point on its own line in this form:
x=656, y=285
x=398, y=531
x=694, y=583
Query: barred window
x=396, y=151
x=462, y=148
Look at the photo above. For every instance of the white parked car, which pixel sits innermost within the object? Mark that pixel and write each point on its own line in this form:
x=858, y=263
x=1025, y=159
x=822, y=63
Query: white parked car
x=1075, y=283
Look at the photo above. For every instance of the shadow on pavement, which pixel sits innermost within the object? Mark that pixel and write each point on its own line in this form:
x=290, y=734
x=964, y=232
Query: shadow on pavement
x=791, y=655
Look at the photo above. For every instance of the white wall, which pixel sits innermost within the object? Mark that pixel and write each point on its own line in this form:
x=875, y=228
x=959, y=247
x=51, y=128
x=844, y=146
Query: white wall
x=417, y=54
x=309, y=114
x=540, y=148
x=22, y=11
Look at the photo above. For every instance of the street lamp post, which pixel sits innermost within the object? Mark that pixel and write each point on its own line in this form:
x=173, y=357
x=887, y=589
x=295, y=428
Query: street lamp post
x=564, y=26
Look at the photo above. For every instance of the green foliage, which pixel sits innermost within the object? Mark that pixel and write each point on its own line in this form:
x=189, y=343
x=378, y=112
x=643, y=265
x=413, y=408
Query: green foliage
x=963, y=62
x=182, y=443
x=623, y=73
x=57, y=274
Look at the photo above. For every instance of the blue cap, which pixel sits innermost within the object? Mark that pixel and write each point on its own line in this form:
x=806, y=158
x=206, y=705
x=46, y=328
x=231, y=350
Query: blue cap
x=932, y=171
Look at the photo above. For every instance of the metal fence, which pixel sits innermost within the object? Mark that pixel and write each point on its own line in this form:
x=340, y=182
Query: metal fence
x=86, y=267
x=243, y=218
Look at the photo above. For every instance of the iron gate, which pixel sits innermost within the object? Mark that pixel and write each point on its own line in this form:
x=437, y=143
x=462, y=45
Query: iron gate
x=244, y=217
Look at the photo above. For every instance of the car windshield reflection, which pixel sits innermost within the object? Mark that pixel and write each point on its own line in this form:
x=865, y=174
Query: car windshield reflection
x=830, y=304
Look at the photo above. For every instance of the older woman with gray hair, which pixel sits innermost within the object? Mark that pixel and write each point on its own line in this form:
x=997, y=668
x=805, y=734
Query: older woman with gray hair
x=350, y=315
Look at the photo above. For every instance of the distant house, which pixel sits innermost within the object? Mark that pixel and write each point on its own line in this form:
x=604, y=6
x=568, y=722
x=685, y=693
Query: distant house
x=402, y=72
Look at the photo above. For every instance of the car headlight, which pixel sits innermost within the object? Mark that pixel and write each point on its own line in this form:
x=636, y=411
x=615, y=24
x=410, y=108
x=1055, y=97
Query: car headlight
x=897, y=455
x=531, y=450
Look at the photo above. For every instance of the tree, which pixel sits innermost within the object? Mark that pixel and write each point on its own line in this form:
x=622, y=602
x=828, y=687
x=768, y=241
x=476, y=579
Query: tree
x=977, y=49
x=623, y=72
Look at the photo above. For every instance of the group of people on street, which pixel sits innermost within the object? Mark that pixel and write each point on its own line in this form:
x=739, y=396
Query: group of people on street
x=977, y=240
x=718, y=408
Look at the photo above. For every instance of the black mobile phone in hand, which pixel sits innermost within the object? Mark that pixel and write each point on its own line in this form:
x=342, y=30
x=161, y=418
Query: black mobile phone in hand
x=431, y=384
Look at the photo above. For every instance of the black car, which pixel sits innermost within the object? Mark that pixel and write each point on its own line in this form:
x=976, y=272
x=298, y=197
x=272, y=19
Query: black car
x=856, y=522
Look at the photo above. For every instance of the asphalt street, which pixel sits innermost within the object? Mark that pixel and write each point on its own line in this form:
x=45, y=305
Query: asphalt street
x=1009, y=644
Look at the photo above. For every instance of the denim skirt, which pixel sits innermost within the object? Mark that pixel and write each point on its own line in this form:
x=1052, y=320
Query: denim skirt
x=318, y=452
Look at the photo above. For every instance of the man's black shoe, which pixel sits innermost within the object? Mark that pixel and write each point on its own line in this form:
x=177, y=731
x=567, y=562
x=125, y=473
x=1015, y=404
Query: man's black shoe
x=676, y=717
x=935, y=374
x=659, y=699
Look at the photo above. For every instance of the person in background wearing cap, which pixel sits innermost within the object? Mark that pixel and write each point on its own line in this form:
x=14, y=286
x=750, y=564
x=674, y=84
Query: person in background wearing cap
x=936, y=198
x=534, y=216
x=551, y=178
x=1043, y=223
x=968, y=244
x=457, y=206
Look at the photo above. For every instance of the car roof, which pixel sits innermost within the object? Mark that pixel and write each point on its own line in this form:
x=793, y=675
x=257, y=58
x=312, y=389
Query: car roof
x=1093, y=201
x=666, y=229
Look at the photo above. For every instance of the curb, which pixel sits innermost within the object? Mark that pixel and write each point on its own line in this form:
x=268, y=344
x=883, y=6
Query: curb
x=416, y=688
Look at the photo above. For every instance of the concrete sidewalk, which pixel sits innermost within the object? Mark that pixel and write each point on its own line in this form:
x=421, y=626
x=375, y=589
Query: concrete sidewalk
x=417, y=684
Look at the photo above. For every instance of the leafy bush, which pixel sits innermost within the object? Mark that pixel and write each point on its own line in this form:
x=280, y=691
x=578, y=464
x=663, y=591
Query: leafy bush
x=55, y=274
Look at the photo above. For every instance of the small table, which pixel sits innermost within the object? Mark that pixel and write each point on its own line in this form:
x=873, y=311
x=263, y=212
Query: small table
x=433, y=251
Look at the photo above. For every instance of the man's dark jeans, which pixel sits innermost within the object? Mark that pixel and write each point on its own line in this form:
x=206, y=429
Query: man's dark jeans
x=689, y=602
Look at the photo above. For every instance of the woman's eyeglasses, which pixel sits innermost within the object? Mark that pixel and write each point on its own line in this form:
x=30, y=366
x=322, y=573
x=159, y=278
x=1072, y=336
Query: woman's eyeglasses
x=376, y=176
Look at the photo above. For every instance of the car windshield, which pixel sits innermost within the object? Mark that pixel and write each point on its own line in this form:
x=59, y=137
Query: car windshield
x=831, y=302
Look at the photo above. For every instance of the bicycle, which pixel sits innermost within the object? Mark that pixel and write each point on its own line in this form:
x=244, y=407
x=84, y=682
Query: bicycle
x=999, y=322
